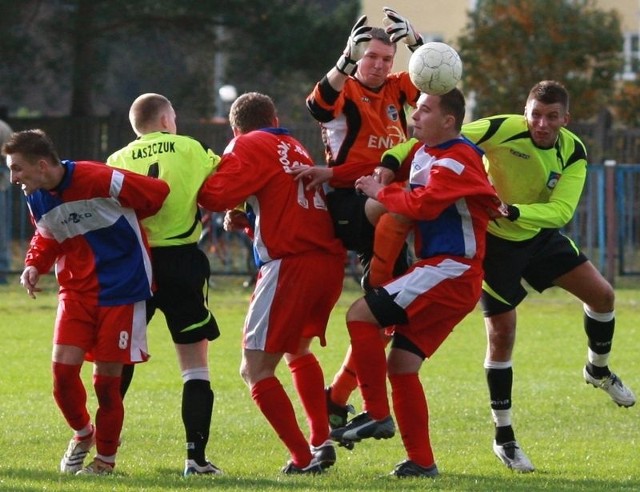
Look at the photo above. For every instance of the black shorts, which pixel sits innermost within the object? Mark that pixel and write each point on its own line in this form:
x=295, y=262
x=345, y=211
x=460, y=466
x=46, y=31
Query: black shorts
x=353, y=228
x=539, y=261
x=181, y=275
x=350, y=222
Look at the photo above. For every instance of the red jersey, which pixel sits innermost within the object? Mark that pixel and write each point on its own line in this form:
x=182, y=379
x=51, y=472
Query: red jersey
x=289, y=219
x=450, y=198
x=88, y=226
x=358, y=123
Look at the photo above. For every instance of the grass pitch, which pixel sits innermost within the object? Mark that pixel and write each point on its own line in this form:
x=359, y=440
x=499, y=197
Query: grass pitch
x=577, y=438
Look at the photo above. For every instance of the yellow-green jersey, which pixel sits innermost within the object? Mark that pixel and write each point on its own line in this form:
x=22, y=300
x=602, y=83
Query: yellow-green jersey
x=184, y=163
x=544, y=184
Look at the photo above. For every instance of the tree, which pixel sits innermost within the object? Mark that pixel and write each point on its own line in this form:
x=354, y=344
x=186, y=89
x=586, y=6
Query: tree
x=94, y=56
x=509, y=45
x=627, y=103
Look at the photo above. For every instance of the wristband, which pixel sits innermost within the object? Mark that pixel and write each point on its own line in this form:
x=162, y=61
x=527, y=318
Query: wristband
x=346, y=65
x=419, y=42
x=513, y=212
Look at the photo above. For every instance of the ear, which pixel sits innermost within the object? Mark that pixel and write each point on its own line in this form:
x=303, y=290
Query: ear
x=449, y=121
x=164, y=121
x=42, y=164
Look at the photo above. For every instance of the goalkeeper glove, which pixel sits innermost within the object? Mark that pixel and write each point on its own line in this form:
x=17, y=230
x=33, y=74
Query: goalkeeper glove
x=356, y=46
x=398, y=28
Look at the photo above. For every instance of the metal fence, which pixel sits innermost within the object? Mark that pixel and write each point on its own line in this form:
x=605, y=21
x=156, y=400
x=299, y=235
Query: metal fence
x=606, y=225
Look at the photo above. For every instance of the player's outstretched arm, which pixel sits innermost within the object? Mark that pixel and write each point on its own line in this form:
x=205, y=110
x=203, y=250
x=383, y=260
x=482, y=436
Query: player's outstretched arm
x=356, y=46
x=312, y=177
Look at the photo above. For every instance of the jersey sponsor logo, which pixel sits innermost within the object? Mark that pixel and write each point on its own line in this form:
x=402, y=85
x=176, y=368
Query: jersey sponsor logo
x=154, y=149
x=393, y=137
x=75, y=218
x=392, y=112
x=553, y=180
x=519, y=154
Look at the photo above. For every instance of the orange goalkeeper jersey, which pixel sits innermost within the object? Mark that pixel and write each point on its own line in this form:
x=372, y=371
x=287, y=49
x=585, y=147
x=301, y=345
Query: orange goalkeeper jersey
x=359, y=124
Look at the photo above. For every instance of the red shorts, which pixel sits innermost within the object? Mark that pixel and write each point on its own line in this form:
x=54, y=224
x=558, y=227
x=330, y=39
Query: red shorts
x=436, y=294
x=293, y=299
x=105, y=333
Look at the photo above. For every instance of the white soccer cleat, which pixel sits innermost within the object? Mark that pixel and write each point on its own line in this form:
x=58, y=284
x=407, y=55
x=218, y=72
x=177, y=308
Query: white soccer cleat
x=512, y=456
x=97, y=467
x=613, y=386
x=193, y=468
x=76, y=452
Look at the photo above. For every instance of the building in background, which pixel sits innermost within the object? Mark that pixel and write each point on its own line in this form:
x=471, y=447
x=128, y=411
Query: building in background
x=444, y=20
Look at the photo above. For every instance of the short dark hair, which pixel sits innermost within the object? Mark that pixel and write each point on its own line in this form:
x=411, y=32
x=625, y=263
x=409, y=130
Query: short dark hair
x=381, y=35
x=550, y=92
x=145, y=109
x=33, y=144
x=453, y=103
x=252, y=111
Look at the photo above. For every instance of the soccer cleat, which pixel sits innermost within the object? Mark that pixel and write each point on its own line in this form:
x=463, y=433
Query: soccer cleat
x=362, y=426
x=312, y=468
x=512, y=456
x=76, y=452
x=324, y=455
x=613, y=386
x=408, y=468
x=96, y=467
x=193, y=468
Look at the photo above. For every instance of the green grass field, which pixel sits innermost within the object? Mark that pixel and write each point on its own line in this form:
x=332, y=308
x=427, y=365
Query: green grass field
x=578, y=439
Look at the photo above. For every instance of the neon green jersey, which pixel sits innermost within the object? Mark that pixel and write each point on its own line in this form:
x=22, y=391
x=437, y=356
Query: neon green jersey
x=184, y=163
x=545, y=184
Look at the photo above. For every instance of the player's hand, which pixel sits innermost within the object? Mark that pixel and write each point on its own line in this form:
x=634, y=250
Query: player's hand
x=503, y=211
x=356, y=46
x=383, y=175
x=369, y=186
x=29, y=279
x=398, y=28
x=235, y=220
x=312, y=176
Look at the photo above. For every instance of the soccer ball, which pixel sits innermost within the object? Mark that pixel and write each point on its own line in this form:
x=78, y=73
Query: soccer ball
x=435, y=68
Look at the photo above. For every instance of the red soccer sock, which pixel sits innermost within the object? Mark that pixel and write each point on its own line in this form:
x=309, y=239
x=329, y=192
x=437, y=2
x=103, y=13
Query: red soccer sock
x=273, y=402
x=344, y=382
x=110, y=414
x=70, y=394
x=308, y=380
x=390, y=236
x=367, y=352
x=412, y=413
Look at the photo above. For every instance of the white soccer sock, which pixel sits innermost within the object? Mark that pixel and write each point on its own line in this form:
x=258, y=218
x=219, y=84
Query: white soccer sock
x=195, y=373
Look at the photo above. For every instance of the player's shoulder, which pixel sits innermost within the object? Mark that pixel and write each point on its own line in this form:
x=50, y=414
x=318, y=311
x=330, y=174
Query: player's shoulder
x=571, y=145
x=570, y=135
x=398, y=77
x=496, y=129
x=186, y=140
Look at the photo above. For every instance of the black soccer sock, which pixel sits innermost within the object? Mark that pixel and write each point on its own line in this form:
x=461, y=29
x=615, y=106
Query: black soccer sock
x=127, y=377
x=600, y=337
x=197, y=407
x=500, y=382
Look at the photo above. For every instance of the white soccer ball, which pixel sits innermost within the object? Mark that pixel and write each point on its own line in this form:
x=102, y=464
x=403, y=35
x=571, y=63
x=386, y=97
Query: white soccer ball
x=435, y=68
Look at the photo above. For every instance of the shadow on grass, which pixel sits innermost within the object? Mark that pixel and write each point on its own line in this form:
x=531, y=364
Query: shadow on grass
x=161, y=479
